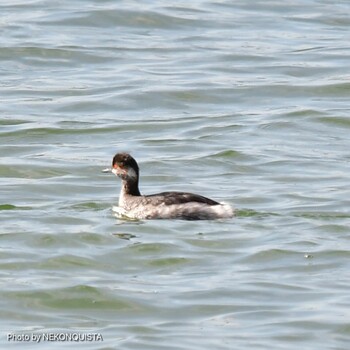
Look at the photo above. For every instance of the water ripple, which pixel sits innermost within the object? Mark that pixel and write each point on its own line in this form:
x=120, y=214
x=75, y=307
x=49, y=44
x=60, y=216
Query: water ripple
x=245, y=102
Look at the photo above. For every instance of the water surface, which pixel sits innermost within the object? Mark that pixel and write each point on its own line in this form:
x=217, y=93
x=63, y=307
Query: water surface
x=244, y=102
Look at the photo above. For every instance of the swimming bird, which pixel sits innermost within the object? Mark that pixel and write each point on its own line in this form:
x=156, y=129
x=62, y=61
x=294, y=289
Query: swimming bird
x=164, y=205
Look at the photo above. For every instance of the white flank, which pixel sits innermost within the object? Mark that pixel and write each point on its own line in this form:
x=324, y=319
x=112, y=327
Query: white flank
x=189, y=211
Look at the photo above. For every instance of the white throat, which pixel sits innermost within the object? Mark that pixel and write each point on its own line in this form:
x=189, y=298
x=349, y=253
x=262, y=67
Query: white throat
x=130, y=173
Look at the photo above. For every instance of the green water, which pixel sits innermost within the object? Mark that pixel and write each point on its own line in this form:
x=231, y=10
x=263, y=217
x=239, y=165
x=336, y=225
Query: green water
x=243, y=102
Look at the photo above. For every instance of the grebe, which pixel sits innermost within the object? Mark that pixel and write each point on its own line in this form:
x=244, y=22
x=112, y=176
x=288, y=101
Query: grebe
x=165, y=205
